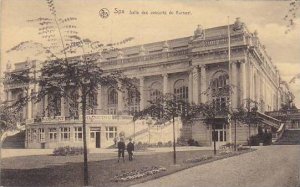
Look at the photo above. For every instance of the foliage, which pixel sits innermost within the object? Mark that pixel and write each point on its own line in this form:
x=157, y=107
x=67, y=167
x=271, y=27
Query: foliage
x=67, y=151
x=9, y=119
x=265, y=138
x=291, y=15
x=199, y=159
x=192, y=142
x=136, y=174
x=247, y=112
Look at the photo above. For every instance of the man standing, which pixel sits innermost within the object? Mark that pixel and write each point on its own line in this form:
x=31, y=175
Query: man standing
x=130, y=149
x=121, y=149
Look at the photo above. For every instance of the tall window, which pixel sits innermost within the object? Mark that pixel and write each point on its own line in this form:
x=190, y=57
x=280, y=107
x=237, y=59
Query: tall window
x=155, y=91
x=73, y=109
x=92, y=102
x=112, y=101
x=41, y=135
x=78, y=133
x=65, y=134
x=220, y=90
x=53, y=134
x=28, y=131
x=111, y=132
x=54, y=105
x=181, y=91
x=133, y=102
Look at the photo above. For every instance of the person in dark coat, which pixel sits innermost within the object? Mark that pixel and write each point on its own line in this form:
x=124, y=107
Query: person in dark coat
x=130, y=149
x=121, y=149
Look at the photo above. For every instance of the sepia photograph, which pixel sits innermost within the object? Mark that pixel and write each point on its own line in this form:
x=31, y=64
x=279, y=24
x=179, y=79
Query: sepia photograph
x=150, y=93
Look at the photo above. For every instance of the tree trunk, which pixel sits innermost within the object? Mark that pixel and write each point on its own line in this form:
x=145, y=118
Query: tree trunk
x=174, y=143
x=235, y=148
x=85, y=161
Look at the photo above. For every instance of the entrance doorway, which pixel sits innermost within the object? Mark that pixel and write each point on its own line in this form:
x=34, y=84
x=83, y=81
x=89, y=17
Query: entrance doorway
x=95, y=136
x=219, y=135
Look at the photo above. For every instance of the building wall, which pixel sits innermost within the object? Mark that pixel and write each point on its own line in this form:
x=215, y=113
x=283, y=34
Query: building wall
x=195, y=59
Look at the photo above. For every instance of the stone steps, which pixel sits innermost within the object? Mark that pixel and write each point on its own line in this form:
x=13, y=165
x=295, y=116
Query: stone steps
x=289, y=137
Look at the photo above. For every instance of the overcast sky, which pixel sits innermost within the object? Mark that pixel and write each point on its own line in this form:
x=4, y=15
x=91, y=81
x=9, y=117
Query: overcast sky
x=264, y=16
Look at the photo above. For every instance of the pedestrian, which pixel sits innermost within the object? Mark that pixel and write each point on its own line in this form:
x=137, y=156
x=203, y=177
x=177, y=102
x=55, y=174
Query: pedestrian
x=130, y=149
x=121, y=149
x=115, y=141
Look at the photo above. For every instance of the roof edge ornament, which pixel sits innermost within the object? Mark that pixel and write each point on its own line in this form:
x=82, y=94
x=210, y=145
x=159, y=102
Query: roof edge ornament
x=238, y=25
x=199, y=32
x=166, y=46
x=142, y=50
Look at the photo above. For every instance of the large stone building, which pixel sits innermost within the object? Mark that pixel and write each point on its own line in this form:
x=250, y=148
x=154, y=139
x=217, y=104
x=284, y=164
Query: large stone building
x=192, y=67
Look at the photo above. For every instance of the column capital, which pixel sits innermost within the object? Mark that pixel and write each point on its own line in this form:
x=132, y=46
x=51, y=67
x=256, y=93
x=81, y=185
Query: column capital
x=165, y=74
x=203, y=66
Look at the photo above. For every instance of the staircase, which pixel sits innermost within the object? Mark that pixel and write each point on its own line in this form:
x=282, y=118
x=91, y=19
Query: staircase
x=289, y=137
x=268, y=120
x=16, y=141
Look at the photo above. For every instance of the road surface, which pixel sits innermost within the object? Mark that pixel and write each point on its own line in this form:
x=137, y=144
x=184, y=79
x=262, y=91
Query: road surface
x=271, y=166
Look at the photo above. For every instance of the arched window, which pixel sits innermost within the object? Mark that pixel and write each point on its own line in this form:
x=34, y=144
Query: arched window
x=133, y=101
x=74, y=107
x=155, y=91
x=112, y=101
x=92, y=102
x=220, y=90
x=181, y=90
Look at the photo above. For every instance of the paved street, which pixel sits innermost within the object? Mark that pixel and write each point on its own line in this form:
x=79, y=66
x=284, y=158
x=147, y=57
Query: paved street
x=271, y=166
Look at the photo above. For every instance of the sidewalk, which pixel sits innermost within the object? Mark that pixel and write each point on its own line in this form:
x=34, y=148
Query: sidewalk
x=6, y=153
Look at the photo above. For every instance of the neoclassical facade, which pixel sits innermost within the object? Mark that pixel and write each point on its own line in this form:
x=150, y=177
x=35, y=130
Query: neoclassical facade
x=193, y=68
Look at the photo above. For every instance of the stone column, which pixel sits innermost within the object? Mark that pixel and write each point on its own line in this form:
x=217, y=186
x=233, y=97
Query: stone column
x=234, y=85
x=99, y=100
x=46, y=105
x=195, y=85
x=36, y=109
x=243, y=82
x=165, y=84
x=251, y=77
x=29, y=105
x=142, y=85
x=120, y=100
x=203, y=84
x=62, y=106
x=190, y=87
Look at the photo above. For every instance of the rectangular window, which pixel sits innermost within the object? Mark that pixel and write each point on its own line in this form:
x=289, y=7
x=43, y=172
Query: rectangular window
x=215, y=136
x=111, y=132
x=41, y=135
x=65, y=134
x=78, y=133
x=112, y=110
x=28, y=135
x=53, y=134
x=34, y=134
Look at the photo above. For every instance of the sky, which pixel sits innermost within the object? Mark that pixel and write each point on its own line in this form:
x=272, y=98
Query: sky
x=264, y=16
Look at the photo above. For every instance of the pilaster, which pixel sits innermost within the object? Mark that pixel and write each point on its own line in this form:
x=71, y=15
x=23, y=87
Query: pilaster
x=99, y=100
x=165, y=84
x=195, y=85
x=142, y=85
x=234, y=85
x=120, y=99
x=190, y=94
x=203, y=84
x=29, y=104
x=243, y=86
